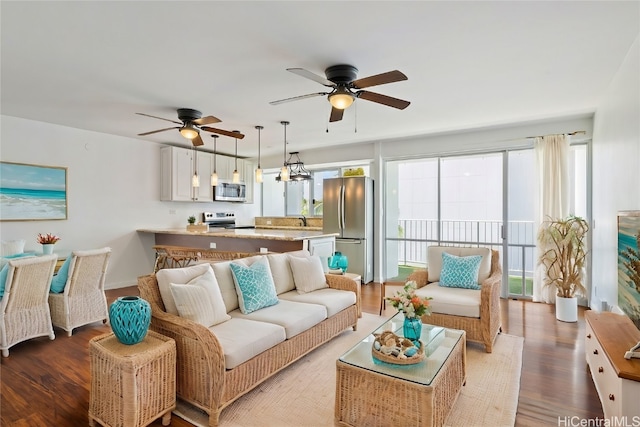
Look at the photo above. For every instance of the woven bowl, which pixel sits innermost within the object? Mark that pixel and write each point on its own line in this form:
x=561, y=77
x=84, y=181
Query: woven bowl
x=416, y=358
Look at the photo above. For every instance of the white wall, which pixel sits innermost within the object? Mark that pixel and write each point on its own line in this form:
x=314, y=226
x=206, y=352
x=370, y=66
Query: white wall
x=113, y=188
x=616, y=169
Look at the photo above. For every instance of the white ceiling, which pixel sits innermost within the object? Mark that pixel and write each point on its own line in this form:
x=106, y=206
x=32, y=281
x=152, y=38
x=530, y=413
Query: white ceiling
x=93, y=65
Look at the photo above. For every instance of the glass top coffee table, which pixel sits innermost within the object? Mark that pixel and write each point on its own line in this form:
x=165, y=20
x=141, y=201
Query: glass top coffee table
x=374, y=393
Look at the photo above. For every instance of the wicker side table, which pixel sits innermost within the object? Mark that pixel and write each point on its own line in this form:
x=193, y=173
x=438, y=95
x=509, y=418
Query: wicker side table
x=132, y=385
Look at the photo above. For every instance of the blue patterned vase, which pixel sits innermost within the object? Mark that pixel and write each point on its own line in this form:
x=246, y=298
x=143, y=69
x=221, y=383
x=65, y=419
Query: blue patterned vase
x=412, y=329
x=130, y=318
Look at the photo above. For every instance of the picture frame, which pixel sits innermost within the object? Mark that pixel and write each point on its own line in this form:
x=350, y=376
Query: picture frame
x=629, y=264
x=32, y=192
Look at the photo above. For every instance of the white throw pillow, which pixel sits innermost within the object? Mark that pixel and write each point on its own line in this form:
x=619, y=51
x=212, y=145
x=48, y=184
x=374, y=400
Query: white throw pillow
x=167, y=276
x=200, y=300
x=12, y=247
x=308, y=273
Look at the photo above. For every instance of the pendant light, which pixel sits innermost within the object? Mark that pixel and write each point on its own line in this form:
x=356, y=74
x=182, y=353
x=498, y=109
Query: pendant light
x=195, y=180
x=236, y=175
x=214, y=174
x=259, y=171
x=284, y=172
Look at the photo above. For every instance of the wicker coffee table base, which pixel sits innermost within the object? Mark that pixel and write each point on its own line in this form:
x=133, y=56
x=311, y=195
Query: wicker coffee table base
x=366, y=398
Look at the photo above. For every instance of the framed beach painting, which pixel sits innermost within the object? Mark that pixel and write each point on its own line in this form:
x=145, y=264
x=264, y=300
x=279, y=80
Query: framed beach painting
x=629, y=264
x=32, y=192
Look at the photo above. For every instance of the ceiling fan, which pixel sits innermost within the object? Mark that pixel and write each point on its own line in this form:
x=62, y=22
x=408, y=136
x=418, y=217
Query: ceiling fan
x=342, y=79
x=191, y=122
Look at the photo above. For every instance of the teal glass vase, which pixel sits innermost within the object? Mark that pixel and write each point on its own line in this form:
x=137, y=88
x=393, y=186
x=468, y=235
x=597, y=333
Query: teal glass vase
x=130, y=317
x=412, y=329
x=338, y=261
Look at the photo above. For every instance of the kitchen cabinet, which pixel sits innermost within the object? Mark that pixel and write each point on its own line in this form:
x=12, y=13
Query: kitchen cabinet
x=324, y=247
x=177, y=168
x=224, y=167
x=248, y=176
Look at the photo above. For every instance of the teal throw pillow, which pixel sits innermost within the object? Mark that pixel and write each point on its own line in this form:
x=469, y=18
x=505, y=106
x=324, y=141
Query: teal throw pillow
x=460, y=272
x=3, y=278
x=60, y=279
x=254, y=285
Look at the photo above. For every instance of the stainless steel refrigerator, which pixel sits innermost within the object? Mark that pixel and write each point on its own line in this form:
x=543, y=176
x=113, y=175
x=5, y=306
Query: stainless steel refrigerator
x=348, y=211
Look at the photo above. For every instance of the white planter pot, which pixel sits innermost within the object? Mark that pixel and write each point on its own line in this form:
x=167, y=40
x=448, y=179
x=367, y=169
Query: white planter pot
x=567, y=309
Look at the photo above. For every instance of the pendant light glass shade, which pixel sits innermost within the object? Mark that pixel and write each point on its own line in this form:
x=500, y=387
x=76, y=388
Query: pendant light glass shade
x=236, y=176
x=214, y=174
x=259, y=170
x=284, y=171
x=195, y=180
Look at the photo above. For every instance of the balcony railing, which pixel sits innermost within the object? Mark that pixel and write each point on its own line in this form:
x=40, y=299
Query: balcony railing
x=415, y=235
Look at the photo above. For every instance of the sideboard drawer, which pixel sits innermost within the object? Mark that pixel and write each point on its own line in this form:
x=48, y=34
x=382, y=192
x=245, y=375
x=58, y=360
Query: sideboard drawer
x=616, y=379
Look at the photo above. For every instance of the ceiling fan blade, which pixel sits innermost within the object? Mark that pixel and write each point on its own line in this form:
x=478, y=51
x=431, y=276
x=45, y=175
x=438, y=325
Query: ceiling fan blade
x=206, y=120
x=296, y=98
x=161, y=118
x=379, y=79
x=156, y=131
x=383, y=99
x=197, y=141
x=311, y=76
x=223, y=132
x=336, y=115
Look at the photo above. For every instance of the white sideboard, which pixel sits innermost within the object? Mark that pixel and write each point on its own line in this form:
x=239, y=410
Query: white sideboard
x=617, y=380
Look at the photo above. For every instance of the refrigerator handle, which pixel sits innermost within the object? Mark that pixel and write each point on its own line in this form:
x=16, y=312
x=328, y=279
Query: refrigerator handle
x=341, y=209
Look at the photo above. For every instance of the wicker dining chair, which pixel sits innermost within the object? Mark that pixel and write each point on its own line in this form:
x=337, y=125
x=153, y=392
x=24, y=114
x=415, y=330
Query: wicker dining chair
x=24, y=312
x=83, y=300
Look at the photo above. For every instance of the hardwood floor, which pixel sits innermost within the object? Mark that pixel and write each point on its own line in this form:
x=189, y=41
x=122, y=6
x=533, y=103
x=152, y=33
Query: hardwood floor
x=46, y=383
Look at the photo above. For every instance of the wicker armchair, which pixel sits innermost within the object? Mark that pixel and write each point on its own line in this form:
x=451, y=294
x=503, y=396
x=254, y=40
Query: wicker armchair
x=483, y=329
x=24, y=312
x=83, y=300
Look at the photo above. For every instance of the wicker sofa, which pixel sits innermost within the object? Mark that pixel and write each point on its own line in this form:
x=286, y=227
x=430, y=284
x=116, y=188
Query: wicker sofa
x=475, y=311
x=208, y=376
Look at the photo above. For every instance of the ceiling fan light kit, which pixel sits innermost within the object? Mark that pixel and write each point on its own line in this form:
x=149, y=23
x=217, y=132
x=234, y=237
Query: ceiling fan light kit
x=341, y=98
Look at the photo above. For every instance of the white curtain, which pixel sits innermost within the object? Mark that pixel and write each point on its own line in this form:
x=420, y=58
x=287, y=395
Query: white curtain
x=552, y=196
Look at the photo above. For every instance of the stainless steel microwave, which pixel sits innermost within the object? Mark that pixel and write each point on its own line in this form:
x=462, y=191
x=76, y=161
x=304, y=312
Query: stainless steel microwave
x=227, y=191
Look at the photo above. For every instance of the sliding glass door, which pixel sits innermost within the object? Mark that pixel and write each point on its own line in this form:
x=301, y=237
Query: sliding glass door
x=470, y=200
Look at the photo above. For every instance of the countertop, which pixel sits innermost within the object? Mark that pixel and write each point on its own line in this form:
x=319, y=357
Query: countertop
x=244, y=233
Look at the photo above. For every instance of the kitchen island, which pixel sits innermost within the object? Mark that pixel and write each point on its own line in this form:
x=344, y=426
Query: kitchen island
x=240, y=240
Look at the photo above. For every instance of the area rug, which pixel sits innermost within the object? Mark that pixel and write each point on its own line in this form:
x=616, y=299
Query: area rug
x=304, y=393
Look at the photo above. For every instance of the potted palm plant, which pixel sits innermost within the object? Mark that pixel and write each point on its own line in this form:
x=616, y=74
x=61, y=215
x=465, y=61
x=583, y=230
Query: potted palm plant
x=563, y=255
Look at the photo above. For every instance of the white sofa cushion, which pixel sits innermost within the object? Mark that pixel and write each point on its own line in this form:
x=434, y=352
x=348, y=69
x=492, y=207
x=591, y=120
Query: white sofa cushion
x=334, y=300
x=281, y=269
x=308, y=273
x=281, y=272
x=294, y=317
x=454, y=301
x=176, y=275
x=434, y=260
x=200, y=300
x=242, y=339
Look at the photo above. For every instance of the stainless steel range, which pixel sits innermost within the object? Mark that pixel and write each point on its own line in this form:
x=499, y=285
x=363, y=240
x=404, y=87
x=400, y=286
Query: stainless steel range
x=222, y=220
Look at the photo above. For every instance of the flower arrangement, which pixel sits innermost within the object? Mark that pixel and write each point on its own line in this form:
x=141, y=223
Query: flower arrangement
x=47, y=239
x=409, y=303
